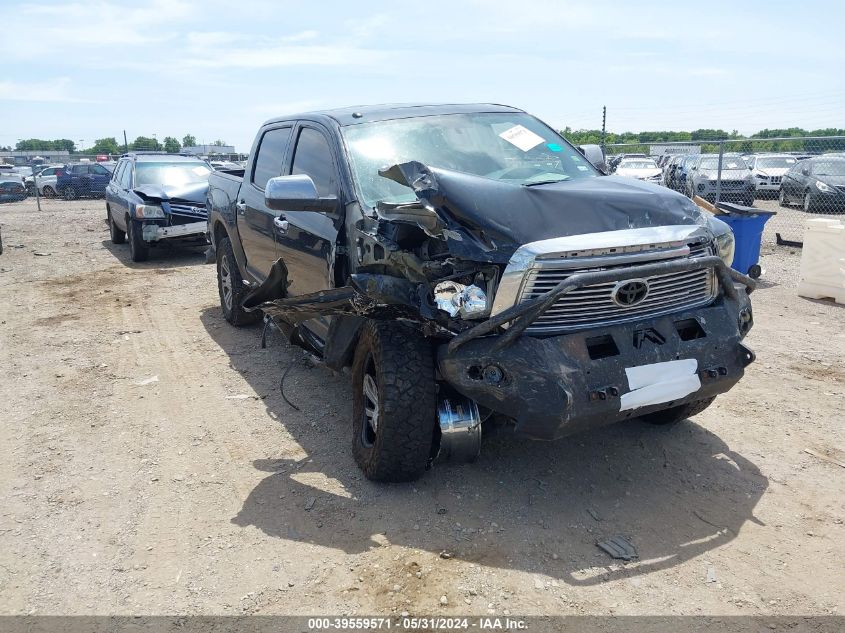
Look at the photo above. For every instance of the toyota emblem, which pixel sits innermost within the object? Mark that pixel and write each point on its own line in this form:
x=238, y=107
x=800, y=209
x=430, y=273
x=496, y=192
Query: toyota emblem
x=630, y=293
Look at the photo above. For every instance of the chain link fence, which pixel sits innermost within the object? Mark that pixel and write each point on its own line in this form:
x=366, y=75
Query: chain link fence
x=796, y=177
x=53, y=181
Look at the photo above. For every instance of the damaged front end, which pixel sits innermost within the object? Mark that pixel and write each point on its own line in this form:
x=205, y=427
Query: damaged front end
x=171, y=212
x=560, y=308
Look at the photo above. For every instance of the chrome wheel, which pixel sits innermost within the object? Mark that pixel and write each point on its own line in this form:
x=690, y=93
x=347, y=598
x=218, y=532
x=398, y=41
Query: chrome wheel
x=807, y=202
x=226, y=282
x=371, y=405
x=782, y=198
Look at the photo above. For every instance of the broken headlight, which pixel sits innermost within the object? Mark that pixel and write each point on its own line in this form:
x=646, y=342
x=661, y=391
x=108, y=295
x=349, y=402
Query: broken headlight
x=148, y=211
x=457, y=299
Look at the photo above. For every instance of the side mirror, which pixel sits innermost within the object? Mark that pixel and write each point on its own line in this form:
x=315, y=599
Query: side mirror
x=296, y=193
x=594, y=154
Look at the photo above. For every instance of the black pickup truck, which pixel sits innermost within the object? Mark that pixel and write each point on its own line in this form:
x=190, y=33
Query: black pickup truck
x=469, y=264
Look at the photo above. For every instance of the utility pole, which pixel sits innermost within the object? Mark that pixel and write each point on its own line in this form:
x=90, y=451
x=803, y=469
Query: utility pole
x=125, y=143
x=603, y=128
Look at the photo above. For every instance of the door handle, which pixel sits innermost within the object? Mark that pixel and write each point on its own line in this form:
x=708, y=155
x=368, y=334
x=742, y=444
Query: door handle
x=281, y=224
x=241, y=208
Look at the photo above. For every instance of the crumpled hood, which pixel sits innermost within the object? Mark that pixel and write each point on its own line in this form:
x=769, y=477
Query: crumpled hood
x=487, y=220
x=194, y=192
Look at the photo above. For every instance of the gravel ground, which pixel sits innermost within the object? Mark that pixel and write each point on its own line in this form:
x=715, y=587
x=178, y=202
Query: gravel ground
x=150, y=466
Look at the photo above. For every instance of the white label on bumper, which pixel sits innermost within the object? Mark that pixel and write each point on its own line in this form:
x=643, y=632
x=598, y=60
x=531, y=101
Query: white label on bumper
x=659, y=383
x=153, y=233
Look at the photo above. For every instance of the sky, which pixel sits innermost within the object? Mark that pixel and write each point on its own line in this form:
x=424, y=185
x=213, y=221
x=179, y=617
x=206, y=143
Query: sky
x=217, y=69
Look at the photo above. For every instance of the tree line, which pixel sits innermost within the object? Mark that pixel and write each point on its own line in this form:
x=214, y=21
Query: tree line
x=755, y=143
x=110, y=145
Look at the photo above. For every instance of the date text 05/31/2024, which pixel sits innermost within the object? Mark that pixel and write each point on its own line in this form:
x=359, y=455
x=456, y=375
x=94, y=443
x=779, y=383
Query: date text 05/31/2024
x=420, y=623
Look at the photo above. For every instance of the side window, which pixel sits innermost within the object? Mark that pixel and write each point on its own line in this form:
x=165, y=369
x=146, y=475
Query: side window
x=126, y=176
x=50, y=171
x=117, y=171
x=99, y=170
x=313, y=157
x=271, y=153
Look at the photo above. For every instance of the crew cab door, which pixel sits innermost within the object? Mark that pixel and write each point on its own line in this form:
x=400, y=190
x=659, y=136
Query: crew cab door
x=306, y=239
x=254, y=219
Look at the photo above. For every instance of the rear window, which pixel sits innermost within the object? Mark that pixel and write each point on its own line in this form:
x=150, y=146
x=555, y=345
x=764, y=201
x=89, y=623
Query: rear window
x=174, y=174
x=271, y=153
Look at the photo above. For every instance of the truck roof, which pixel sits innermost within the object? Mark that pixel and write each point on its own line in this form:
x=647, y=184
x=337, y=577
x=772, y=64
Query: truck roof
x=353, y=115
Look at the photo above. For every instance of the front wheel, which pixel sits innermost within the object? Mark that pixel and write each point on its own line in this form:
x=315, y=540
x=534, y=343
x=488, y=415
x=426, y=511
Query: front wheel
x=230, y=285
x=677, y=414
x=782, y=198
x=139, y=250
x=394, y=402
x=808, y=202
x=70, y=193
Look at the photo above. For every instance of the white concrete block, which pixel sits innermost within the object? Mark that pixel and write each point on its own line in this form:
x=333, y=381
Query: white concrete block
x=822, y=273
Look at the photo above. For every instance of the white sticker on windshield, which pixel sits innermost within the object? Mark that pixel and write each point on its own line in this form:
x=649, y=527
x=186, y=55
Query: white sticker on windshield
x=522, y=137
x=582, y=167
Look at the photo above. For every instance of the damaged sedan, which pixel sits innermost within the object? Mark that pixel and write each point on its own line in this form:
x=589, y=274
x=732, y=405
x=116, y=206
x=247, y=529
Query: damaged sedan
x=473, y=268
x=154, y=196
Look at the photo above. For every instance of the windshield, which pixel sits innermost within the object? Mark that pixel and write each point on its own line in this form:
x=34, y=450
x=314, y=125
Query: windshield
x=775, y=162
x=829, y=168
x=637, y=164
x=508, y=146
x=727, y=163
x=171, y=174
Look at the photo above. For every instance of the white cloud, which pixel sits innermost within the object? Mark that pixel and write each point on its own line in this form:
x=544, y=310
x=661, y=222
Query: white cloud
x=55, y=90
x=289, y=55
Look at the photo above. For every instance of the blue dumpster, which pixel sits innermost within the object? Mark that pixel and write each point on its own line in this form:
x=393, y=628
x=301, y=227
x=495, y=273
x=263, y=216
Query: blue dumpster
x=747, y=224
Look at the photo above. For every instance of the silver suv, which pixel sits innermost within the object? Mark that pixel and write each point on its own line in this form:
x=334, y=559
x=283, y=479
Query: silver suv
x=737, y=180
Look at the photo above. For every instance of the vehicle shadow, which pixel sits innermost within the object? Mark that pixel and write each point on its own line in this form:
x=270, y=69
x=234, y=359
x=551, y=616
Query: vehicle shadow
x=674, y=492
x=163, y=255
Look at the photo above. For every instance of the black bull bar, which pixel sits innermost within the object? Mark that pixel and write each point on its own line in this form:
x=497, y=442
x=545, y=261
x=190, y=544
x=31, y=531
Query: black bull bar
x=524, y=314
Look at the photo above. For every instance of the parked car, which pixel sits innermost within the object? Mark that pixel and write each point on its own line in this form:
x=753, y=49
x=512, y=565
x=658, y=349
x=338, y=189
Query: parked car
x=737, y=183
x=76, y=180
x=154, y=197
x=639, y=168
x=817, y=184
x=682, y=171
x=11, y=188
x=768, y=170
x=466, y=261
x=45, y=180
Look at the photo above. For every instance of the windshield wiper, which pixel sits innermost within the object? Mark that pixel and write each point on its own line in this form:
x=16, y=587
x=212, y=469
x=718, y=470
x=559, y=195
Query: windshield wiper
x=543, y=182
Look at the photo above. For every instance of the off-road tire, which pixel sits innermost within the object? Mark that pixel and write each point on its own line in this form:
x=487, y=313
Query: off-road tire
x=139, y=250
x=677, y=414
x=402, y=362
x=117, y=236
x=233, y=312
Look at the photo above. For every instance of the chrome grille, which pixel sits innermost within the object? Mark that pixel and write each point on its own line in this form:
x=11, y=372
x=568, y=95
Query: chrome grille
x=592, y=306
x=189, y=210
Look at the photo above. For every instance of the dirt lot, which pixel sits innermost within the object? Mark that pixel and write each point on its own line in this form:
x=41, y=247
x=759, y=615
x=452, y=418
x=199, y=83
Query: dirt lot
x=149, y=465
